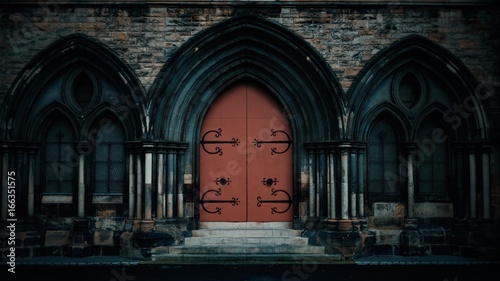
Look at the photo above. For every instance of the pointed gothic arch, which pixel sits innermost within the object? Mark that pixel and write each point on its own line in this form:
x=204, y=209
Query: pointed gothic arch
x=76, y=50
x=246, y=46
x=415, y=50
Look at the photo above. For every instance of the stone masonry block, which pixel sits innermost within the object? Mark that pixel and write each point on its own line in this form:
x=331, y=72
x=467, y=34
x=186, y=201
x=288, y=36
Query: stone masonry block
x=104, y=238
x=56, y=237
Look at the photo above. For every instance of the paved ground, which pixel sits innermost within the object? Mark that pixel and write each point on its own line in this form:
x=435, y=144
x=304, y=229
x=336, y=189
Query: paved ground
x=371, y=260
x=386, y=268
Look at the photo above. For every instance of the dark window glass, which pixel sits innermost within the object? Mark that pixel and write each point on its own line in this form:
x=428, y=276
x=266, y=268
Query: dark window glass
x=383, y=147
x=431, y=162
x=409, y=90
x=60, y=165
x=109, y=158
x=83, y=89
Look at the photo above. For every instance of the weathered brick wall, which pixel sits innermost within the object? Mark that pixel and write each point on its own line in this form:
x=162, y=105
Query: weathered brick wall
x=146, y=36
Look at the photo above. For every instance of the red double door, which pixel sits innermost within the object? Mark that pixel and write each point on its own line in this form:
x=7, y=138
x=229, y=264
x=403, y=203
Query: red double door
x=246, y=159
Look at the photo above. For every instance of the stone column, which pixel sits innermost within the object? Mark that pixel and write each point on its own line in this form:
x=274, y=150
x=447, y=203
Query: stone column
x=5, y=170
x=344, y=182
x=321, y=198
x=353, y=187
x=81, y=185
x=138, y=213
x=411, y=185
x=31, y=183
x=148, y=182
x=472, y=182
x=460, y=172
x=332, y=204
x=131, y=186
x=160, y=196
x=486, y=183
x=180, y=184
x=312, y=186
x=171, y=173
x=361, y=181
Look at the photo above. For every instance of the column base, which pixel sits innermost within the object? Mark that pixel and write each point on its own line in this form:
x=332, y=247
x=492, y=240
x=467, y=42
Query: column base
x=147, y=225
x=411, y=224
x=348, y=225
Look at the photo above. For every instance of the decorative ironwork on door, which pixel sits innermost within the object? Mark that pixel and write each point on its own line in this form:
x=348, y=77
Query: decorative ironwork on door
x=274, y=150
x=217, y=150
x=274, y=192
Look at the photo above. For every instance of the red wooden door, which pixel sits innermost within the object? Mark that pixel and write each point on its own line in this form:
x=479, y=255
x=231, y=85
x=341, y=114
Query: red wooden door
x=246, y=158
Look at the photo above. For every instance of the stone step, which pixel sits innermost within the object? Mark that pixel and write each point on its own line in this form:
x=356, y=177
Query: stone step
x=304, y=259
x=245, y=225
x=246, y=249
x=245, y=232
x=233, y=240
x=240, y=243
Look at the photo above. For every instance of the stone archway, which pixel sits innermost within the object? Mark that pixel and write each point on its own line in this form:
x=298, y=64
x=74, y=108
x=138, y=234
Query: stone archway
x=265, y=52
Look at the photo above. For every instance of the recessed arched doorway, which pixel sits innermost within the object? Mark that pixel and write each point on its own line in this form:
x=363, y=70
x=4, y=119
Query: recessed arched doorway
x=246, y=158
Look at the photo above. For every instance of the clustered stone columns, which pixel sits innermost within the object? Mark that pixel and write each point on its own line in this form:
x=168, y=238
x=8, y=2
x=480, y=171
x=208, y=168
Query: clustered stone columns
x=156, y=181
x=479, y=179
x=19, y=157
x=336, y=182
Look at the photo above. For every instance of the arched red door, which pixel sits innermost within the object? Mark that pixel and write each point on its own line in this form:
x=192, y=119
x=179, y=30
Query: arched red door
x=246, y=159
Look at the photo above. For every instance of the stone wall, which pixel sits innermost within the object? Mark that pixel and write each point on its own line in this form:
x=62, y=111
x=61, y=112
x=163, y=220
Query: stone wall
x=347, y=38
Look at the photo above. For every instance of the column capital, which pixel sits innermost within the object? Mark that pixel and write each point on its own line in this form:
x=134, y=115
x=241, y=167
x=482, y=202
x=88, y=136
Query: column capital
x=410, y=146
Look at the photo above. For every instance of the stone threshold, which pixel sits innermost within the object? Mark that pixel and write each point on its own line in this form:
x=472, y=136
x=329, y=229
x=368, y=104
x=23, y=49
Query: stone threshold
x=246, y=225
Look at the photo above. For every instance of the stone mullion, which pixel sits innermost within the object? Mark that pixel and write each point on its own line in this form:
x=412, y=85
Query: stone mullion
x=410, y=184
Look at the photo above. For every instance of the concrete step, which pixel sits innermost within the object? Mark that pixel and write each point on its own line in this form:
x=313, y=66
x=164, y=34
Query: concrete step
x=244, y=245
x=245, y=232
x=246, y=225
x=217, y=240
x=245, y=249
x=304, y=259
